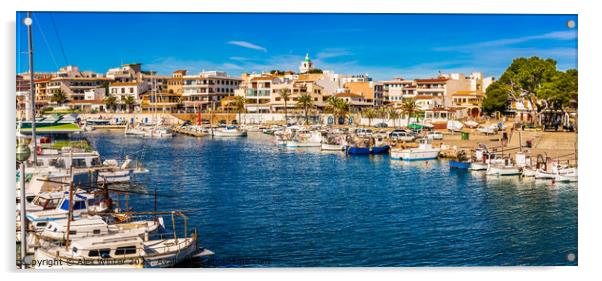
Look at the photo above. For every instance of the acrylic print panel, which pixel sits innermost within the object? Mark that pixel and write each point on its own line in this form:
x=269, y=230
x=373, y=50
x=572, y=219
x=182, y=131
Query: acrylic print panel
x=263, y=140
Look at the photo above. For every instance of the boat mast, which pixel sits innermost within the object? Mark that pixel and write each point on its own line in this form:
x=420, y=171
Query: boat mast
x=32, y=89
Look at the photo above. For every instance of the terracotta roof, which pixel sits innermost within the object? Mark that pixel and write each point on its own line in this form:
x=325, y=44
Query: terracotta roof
x=81, y=78
x=432, y=80
x=349, y=95
x=423, y=97
x=117, y=84
x=180, y=71
x=263, y=78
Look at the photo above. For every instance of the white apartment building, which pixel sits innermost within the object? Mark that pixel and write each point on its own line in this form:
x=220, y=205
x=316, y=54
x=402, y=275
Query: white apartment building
x=205, y=90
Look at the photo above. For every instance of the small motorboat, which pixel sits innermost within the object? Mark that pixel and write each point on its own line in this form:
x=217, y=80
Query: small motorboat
x=305, y=139
x=424, y=151
x=461, y=161
x=528, y=172
x=459, y=164
x=333, y=147
x=358, y=150
x=503, y=170
x=230, y=131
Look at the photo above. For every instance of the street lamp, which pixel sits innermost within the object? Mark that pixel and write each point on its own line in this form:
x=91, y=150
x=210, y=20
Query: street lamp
x=23, y=153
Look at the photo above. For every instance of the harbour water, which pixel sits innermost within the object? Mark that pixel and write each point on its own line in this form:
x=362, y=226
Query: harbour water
x=258, y=205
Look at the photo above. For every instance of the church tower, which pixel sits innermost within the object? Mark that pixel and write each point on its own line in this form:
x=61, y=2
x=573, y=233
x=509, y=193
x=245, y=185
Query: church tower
x=306, y=64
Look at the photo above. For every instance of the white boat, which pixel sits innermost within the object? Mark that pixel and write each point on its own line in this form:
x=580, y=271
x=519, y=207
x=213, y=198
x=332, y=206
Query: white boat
x=570, y=176
x=83, y=203
x=95, y=226
x=128, y=249
x=229, y=132
x=424, y=151
x=306, y=139
x=478, y=166
x=503, y=170
x=471, y=124
x=487, y=130
x=454, y=125
x=119, y=251
x=333, y=147
x=528, y=172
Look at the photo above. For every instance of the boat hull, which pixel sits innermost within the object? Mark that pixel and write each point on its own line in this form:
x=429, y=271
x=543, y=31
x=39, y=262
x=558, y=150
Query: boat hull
x=414, y=155
x=302, y=144
x=459, y=165
x=333, y=147
x=358, y=150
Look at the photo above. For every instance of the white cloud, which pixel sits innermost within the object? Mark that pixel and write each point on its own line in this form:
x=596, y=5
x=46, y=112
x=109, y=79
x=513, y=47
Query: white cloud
x=558, y=35
x=248, y=45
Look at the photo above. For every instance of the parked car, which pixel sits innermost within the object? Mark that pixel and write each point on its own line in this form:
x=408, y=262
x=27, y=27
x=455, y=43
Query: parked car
x=381, y=125
x=399, y=135
x=434, y=135
x=361, y=132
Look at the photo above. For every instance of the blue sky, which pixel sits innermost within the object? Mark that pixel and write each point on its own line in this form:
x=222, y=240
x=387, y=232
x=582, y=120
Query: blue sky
x=383, y=45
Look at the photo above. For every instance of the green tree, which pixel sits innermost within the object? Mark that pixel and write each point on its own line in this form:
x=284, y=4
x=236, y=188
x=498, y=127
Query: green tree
x=534, y=79
x=369, y=113
x=496, y=98
x=239, y=105
x=59, y=97
x=409, y=107
x=129, y=102
x=285, y=93
x=338, y=107
x=305, y=101
x=393, y=114
x=110, y=102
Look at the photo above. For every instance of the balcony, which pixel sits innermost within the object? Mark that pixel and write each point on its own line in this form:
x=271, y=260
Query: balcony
x=258, y=92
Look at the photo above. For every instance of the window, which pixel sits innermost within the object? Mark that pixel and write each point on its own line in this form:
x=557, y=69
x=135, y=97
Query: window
x=79, y=205
x=72, y=232
x=131, y=90
x=103, y=253
x=96, y=231
x=128, y=250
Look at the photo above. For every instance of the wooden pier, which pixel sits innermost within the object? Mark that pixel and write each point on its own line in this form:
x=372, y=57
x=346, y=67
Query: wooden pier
x=190, y=132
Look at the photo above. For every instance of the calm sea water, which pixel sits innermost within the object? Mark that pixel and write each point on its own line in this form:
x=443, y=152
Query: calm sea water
x=257, y=205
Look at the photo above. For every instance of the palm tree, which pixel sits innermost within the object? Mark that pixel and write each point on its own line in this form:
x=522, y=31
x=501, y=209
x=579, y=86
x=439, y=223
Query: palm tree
x=305, y=101
x=369, y=113
x=338, y=107
x=285, y=93
x=59, y=97
x=129, y=102
x=239, y=105
x=394, y=114
x=409, y=107
x=110, y=102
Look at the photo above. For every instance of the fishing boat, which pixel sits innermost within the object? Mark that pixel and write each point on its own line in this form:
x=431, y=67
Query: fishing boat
x=123, y=250
x=460, y=162
x=567, y=176
x=229, y=131
x=529, y=172
x=424, y=151
x=95, y=226
x=503, y=170
x=334, y=142
x=332, y=147
x=83, y=203
x=306, y=139
x=355, y=150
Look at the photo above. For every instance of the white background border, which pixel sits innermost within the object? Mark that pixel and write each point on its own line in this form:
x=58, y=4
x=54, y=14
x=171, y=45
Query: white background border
x=589, y=26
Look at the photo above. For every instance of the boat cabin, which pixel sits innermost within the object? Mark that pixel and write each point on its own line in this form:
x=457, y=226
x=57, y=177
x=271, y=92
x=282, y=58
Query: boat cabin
x=108, y=247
